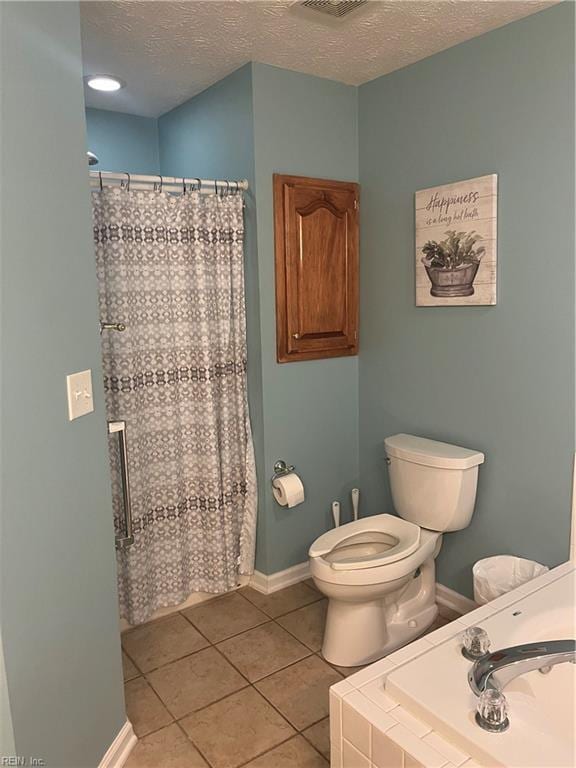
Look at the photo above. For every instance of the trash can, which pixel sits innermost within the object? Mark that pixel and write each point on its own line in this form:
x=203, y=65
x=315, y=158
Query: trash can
x=494, y=576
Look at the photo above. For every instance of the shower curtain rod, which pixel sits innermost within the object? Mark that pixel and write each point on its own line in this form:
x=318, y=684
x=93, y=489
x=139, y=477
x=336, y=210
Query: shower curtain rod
x=167, y=183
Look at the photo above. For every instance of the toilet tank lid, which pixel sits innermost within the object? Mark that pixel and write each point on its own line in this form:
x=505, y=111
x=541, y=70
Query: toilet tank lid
x=431, y=453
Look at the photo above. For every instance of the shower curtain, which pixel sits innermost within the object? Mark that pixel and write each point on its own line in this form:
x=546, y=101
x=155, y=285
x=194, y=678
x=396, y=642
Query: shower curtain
x=170, y=267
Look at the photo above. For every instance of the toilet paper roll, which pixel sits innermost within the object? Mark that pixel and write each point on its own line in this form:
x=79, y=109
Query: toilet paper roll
x=288, y=490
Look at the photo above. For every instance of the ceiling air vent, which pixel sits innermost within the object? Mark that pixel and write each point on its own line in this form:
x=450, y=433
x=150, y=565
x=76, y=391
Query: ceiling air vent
x=335, y=8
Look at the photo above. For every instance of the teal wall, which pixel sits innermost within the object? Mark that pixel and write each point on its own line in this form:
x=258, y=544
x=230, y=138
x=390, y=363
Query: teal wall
x=211, y=134
x=123, y=142
x=58, y=606
x=302, y=125
x=499, y=379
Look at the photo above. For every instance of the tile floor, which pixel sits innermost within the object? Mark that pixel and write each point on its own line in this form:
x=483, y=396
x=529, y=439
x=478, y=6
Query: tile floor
x=236, y=681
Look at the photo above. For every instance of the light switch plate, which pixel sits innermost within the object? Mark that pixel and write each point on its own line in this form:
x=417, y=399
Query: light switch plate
x=79, y=388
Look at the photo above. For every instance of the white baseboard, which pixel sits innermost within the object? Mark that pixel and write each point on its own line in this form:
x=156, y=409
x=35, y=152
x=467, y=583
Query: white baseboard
x=573, y=524
x=120, y=749
x=456, y=602
x=267, y=584
x=281, y=579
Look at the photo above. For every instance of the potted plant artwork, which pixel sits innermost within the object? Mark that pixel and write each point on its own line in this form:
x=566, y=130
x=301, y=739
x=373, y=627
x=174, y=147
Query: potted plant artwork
x=456, y=243
x=452, y=264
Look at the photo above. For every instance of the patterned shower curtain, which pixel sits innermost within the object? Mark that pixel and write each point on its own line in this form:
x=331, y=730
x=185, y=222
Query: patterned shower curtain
x=170, y=267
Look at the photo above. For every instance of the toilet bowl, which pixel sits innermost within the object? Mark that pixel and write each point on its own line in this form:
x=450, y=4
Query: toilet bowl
x=363, y=568
x=378, y=572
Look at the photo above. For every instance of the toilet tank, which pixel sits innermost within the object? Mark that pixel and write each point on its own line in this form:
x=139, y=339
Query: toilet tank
x=433, y=484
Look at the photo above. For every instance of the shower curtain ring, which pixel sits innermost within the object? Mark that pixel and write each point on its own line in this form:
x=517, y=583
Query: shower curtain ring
x=183, y=185
x=100, y=176
x=158, y=184
x=126, y=184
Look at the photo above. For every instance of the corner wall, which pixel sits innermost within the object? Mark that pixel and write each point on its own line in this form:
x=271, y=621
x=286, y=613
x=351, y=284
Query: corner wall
x=499, y=379
x=58, y=601
x=308, y=126
x=123, y=142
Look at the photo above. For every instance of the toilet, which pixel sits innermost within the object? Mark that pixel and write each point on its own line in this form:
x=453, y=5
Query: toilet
x=378, y=572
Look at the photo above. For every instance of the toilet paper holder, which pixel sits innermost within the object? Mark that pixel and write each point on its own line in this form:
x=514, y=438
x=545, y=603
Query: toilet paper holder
x=281, y=469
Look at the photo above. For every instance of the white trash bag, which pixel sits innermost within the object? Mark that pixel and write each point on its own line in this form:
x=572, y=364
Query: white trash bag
x=494, y=576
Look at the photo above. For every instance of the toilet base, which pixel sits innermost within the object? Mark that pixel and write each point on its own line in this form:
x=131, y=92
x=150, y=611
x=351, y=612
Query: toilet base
x=359, y=633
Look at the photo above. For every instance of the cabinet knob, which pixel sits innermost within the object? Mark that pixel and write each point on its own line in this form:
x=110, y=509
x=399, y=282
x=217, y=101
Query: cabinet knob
x=295, y=335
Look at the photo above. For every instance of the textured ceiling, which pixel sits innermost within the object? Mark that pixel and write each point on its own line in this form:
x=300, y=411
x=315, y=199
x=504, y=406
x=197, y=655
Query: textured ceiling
x=167, y=52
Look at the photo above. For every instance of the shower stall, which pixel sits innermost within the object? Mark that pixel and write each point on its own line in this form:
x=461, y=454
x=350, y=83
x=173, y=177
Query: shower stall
x=170, y=267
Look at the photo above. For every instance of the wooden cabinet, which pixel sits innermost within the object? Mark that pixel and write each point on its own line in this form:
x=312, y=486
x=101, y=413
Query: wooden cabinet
x=316, y=243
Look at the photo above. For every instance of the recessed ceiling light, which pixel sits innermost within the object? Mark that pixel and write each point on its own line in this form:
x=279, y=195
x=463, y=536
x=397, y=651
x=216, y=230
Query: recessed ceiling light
x=107, y=83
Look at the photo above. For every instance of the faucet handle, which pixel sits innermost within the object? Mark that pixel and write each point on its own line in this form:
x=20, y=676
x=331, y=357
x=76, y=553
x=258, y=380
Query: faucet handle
x=475, y=643
x=492, y=711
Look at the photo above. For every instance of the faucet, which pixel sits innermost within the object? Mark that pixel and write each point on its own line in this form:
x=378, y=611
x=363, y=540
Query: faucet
x=495, y=670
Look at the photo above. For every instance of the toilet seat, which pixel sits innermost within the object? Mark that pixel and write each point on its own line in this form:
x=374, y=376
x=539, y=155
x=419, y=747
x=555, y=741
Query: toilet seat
x=404, y=558
x=367, y=543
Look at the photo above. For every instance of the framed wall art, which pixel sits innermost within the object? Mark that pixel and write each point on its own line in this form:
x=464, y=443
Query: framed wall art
x=456, y=243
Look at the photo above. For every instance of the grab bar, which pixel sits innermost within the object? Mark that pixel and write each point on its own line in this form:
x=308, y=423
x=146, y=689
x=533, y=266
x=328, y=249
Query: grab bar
x=119, y=428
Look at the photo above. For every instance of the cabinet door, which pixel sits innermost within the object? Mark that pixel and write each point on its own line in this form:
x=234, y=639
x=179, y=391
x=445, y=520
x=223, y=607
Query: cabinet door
x=316, y=234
